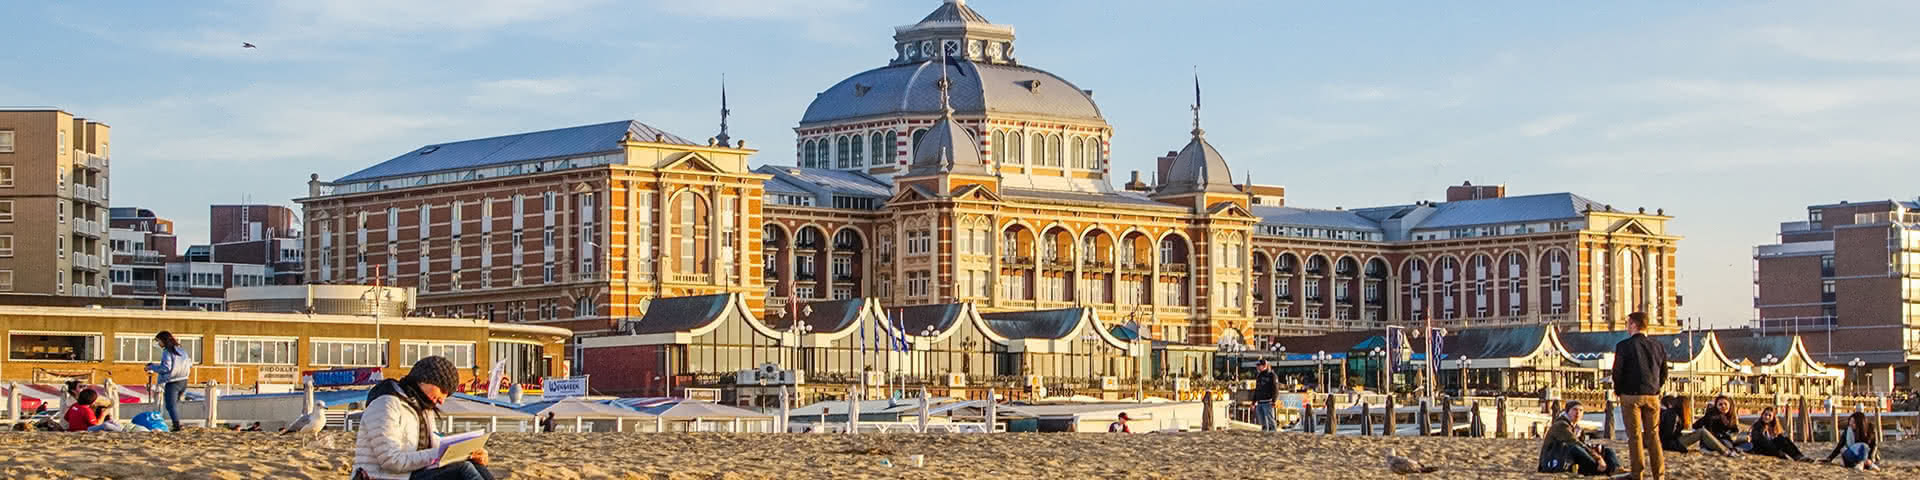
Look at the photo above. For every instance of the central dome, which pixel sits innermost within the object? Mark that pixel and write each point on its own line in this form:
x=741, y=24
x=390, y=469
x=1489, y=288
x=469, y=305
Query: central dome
x=978, y=89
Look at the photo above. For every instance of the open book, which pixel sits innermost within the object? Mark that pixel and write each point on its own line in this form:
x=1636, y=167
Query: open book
x=456, y=448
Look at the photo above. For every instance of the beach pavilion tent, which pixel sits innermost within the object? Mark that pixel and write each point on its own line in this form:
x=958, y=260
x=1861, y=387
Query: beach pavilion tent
x=583, y=415
x=682, y=340
x=1697, y=364
x=1064, y=344
x=1512, y=359
x=1780, y=364
x=697, y=416
x=466, y=413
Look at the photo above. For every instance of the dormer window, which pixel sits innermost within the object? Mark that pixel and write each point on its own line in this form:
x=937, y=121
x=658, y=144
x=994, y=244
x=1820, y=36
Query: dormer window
x=429, y=149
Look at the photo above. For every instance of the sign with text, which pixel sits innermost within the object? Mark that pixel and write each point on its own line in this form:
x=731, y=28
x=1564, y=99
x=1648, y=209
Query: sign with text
x=279, y=374
x=343, y=377
x=554, y=388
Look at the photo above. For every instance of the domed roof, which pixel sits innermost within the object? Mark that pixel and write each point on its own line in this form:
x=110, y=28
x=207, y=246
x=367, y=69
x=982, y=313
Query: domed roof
x=1199, y=168
x=978, y=89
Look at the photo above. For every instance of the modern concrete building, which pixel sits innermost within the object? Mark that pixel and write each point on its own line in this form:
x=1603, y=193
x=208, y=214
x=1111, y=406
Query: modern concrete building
x=149, y=267
x=53, y=203
x=267, y=235
x=1847, y=278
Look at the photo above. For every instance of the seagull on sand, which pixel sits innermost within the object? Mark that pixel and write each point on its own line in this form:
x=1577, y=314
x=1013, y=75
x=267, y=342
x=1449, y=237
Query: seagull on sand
x=312, y=422
x=247, y=45
x=1403, y=465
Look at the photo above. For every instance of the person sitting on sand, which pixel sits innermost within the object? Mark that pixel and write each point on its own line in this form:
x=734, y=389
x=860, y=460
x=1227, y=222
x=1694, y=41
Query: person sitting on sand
x=255, y=427
x=396, y=440
x=84, y=416
x=1675, y=439
x=1857, y=444
x=1771, y=440
x=1119, y=425
x=1719, y=421
x=546, y=424
x=1567, y=438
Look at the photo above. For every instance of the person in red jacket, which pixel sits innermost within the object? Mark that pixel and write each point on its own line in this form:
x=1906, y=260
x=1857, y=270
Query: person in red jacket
x=84, y=417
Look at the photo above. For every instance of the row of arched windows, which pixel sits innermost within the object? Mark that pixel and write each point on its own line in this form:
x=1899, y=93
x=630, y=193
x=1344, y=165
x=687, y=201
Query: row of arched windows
x=1047, y=150
x=1085, y=152
x=850, y=151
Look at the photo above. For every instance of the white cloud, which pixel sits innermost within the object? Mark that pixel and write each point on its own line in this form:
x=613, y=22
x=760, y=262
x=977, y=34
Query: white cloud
x=1846, y=45
x=1548, y=124
x=1358, y=93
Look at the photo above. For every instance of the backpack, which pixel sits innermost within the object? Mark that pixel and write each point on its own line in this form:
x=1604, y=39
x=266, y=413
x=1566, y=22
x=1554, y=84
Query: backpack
x=1554, y=458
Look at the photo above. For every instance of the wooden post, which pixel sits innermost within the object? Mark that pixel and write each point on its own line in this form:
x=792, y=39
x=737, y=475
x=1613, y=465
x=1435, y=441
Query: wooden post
x=1607, y=426
x=1475, y=428
x=1426, y=422
x=1806, y=421
x=1500, y=417
x=1332, y=420
x=1446, y=416
x=1686, y=409
x=1833, y=414
x=1392, y=422
x=1306, y=414
x=1879, y=430
x=1366, y=419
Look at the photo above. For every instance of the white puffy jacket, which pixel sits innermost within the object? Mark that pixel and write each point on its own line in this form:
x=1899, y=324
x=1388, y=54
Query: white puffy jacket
x=386, y=446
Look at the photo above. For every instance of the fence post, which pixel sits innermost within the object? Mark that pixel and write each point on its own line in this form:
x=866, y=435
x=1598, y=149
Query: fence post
x=1426, y=423
x=1608, y=426
x=1332, y=419
x=1879, y=431
x=1392, y=422
x=1806, y=421
x=1475, y=427
x=1446, y=416
x=213, y=404
x=1500, y=417
x=1366, y=419
x=1833, y=414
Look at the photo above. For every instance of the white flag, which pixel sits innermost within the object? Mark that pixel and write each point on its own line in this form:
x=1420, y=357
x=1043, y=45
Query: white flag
x=493, y=378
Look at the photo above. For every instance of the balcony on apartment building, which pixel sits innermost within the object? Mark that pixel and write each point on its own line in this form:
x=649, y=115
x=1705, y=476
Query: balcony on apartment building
x=91, y=160
x=148, y=257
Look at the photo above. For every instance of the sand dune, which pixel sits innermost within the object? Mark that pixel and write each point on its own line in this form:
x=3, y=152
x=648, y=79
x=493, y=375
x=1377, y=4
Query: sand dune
x=232, y=455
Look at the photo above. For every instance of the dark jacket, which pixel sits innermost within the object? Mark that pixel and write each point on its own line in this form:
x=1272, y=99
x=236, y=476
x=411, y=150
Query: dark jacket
x=1266, y=386
x=1670, y=430
x=1639, y=366
x=1715, y=422
x=1865, y=435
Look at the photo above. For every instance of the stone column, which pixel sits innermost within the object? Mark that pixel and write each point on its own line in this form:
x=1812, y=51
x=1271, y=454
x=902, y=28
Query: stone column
x=714, y=272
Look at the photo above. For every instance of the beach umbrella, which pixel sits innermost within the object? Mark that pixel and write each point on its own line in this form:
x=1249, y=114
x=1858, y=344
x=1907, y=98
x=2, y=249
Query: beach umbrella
x=923, y=409
x=993, y=409
x=785, y=410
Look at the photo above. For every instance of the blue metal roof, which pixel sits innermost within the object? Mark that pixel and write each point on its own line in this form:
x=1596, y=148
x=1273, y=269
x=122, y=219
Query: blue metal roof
x=1037, y=324
x=1529, y=208
x=976, y=89
x=559, y=143
x=1307, y=217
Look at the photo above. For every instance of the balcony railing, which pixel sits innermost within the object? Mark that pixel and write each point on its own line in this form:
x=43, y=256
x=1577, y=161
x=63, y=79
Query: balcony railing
x=94, y=162
x=701, y=278
x=1059, y=264
x=1017, y=261
x=1096, y=265
x=1137, y=268
x=807, y=246
x=1178, y=268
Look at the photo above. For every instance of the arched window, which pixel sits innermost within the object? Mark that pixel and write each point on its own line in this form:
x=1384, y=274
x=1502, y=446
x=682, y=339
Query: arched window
x=859, y=152
x=999, y=147
x=880, y=149
x=917, y=135
x=893, y=150
x=1039, y=157
x=1079, y=151
x=1054, y=151
x=1094, y=149
x=1013, y=148
x=808, y=157
x=840, y=147
x=823, y=156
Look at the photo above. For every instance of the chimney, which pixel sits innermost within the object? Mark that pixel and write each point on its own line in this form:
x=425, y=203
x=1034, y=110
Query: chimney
x=1136, y=185
x=1469, y=191
x=1163, y=164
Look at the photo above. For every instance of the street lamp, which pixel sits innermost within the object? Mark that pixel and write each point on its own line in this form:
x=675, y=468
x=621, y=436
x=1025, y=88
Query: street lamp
x=1465, y=364
x=1280, y=352
x=1320, y=371
x=1379, y=356
x=927, y=333
x=1857, y=364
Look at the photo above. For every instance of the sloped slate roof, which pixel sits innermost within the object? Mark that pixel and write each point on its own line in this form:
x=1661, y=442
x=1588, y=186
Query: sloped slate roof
x=1495, y=342
x=828, y=316
x=954, y=12
x=1199, y=168
x=508, y=149
x=1527, y=208
x=918, y=318
x=977, y=89
x=1308, y=217
x=1591, y=343
x=832, y=181
x=1755, y=349
x=1679, y=349
x=1039, y=324
x=1336, y=342
x=681, y=314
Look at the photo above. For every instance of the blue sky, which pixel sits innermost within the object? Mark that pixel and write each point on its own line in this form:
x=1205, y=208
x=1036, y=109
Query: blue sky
x=1732, y=116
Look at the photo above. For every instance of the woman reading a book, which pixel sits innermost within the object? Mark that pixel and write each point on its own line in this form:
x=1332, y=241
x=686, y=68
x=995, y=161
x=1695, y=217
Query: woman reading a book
x=396, y=440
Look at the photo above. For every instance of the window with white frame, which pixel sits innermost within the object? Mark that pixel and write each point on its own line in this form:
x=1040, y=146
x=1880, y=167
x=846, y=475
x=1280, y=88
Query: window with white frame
x=6, y=141
x=6, y=176
x=6, y=280
x=460, y=353
x=803, y=292
x=918, y=284
x=6, y=245
x=256, y=350
x=842, y=293
x=344, y=353
x=54, y=346
x=842, y=267
x=143, y=349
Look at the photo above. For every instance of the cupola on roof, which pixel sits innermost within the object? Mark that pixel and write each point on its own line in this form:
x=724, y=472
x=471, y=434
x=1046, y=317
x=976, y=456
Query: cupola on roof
x=1198, y=167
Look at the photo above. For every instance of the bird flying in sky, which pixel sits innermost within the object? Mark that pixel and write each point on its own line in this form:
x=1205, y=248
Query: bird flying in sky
x=247, y=45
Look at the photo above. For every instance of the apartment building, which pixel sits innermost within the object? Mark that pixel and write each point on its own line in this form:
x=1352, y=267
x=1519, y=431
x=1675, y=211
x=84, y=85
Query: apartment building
x=53, y=203
x=1847, y=279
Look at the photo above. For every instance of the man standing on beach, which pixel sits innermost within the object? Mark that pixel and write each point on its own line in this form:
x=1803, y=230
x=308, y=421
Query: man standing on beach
x=1639, y=370
x=1266, y=387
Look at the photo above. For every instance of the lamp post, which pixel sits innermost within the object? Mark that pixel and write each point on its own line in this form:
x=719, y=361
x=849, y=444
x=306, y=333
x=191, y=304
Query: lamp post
x=927, y=333
x=1379, y=356
x=1465, y=364
x=1857, y=364
x=1320, y=371
x=1280, y=352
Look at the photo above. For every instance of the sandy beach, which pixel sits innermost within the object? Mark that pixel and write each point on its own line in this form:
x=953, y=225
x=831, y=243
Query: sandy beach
x=233, y=455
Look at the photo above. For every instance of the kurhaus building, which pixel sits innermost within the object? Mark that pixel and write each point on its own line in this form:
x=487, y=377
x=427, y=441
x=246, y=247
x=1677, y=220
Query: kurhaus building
x=957, y=174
